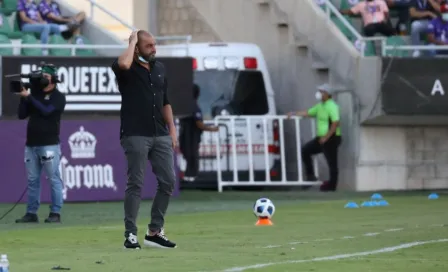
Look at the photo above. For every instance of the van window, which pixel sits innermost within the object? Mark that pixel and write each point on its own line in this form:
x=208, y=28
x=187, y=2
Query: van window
x=238, y=92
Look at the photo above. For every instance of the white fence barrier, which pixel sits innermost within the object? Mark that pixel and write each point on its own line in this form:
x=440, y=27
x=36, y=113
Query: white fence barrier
x=246, y=129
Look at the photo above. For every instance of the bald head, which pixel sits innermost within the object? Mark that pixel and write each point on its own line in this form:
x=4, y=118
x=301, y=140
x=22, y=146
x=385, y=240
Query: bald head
x=146, y=45
x=143, y=34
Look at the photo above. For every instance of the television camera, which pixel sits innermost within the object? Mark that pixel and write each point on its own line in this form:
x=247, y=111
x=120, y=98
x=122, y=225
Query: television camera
x=36, y=80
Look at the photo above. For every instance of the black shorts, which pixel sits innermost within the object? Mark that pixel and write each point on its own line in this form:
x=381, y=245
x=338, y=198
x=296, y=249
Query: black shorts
x=66, y=34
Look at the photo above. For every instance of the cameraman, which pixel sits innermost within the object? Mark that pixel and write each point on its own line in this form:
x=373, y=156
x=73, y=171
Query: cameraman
x=44, y=107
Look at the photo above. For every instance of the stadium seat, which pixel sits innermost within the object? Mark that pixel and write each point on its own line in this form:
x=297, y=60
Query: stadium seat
x=369, y=49
x=9, y=6
x=396, y=41
x=57, y=39
x=85, y=52
x=5, y=51
x=342, y=27
x=6, y=29
x=31, y=39
x=345, y=4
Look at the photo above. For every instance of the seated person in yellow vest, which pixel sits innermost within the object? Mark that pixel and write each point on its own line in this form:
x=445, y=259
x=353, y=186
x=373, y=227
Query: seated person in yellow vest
x=328, y=136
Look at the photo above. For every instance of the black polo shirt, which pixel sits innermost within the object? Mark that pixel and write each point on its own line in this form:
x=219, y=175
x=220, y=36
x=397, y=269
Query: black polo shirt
x=422, y=5
x=143, y=96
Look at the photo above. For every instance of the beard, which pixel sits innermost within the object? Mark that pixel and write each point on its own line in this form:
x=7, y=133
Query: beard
x=148, y=57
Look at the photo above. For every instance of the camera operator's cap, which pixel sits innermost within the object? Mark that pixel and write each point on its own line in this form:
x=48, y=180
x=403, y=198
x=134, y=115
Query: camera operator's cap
x=49, y=69
x=325, y=88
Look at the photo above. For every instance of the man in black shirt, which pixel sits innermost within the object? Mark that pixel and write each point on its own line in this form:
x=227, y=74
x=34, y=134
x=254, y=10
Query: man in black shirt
x=147, y=133
x=191, y=129
x=44, y=108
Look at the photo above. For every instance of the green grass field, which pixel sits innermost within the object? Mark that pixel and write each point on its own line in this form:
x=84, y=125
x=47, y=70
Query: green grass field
x=216, y=232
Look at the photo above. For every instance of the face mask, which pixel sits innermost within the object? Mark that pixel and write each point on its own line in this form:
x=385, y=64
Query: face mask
x=445, y=17
x=44, y=82
x=140, y=58
x=318, y=96
x=146, y=59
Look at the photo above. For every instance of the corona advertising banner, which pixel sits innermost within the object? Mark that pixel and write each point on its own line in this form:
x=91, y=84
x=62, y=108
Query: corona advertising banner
x=93, y=165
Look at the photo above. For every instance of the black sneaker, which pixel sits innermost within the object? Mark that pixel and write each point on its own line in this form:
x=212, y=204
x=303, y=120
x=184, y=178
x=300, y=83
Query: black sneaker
x=53, y=218
x=28, y=218
x=159, y=240
x=131, y=242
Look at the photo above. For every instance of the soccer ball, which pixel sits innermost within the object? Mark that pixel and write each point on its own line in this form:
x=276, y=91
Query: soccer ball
x=264, y=208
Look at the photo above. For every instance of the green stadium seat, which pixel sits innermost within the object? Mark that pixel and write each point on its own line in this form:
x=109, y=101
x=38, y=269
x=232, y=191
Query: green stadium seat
x=31, y=39
x=9, y=6
x=342, y=26
x=396, y=41
x=369, y=50
x=5, y=51
x=62, y=52
x=85, y=52
x=6, y=29
x=347, y=4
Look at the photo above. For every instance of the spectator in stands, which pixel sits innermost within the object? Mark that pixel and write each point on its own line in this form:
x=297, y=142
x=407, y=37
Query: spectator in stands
x=375, y=16
x=50, y=11
x=421, y=12
x=30, y=21
x=402, y=9
x=438, y=31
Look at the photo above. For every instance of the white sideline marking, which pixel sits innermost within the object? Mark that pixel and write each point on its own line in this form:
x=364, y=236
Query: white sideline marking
x=297, y=243
x=371, y=234
x=397, y=259
x=338, y=257
x=272, y=246
x=391, y=230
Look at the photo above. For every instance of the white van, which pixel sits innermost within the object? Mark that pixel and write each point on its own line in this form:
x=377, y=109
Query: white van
x=233, y=79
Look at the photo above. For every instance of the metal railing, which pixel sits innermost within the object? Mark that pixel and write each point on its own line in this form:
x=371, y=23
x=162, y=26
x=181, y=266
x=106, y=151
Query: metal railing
x=73, y=47
x=330, y=9
x=236, y=160
x=94, y=4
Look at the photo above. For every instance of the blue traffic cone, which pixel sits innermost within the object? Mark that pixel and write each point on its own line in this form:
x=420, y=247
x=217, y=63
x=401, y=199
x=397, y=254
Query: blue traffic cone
x=351, y=205
x=433, y=196
x=368, y=204
x=382, y=203
x=376, y=196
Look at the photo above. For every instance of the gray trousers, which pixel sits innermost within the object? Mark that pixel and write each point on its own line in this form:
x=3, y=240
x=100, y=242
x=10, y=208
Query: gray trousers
x=159, y=151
